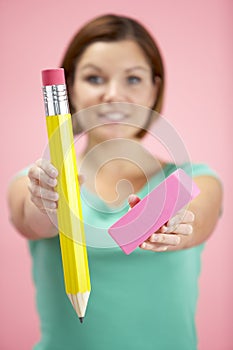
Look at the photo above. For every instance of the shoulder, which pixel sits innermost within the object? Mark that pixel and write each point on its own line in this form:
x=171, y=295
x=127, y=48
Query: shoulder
x=192, y=169
x=206, y=178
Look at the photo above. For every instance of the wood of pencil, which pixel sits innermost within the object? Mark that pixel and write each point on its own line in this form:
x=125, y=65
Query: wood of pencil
x=70, y=221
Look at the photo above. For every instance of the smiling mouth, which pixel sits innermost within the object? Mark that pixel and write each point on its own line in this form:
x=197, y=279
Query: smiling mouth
x=113, y=117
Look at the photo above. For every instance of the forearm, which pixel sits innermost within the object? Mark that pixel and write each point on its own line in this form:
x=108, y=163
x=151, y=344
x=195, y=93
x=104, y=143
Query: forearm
x=202, y=229
x=207, y=210
x=192, y=226
x=30, y=221
x=37, y=224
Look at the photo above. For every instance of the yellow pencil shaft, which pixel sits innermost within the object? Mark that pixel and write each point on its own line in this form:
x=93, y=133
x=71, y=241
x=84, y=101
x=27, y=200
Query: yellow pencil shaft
x=70, y=220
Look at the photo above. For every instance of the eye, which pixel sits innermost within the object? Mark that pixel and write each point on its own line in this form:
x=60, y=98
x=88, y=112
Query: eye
x=134, y=79
x=94, y=79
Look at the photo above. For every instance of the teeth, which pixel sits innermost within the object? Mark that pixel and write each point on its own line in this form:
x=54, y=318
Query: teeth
x=114, y=116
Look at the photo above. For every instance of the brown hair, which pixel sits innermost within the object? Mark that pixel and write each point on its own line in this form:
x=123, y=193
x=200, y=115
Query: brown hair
x=109, y=28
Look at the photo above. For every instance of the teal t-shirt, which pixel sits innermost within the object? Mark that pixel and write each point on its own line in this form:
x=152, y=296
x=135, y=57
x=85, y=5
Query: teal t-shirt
x=144, y=300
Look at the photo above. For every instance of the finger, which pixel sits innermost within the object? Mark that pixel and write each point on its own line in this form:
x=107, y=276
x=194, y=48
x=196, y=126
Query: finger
x=183, y=229
x=38, y=176
x=164, y=239
x=48, y=168
x=162, y=229
x=43, y=193
x=133, y=200
x=81, y=179
x=153, y=247
x=184, y=216
x=43, y=204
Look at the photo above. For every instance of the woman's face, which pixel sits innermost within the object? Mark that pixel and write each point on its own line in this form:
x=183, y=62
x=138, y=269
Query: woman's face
x=113, y=77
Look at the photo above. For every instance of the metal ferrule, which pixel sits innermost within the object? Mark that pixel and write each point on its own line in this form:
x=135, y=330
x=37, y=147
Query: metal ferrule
x=55, y=100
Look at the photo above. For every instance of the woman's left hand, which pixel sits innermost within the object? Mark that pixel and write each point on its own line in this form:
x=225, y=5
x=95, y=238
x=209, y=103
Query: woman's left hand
x=174, y=235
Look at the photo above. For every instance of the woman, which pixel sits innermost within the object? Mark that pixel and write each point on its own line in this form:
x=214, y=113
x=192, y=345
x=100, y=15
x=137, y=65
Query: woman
x=146, y=300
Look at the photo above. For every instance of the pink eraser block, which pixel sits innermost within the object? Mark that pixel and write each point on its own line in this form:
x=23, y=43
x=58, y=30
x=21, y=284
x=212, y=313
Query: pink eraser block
x=153, y=211
x=53, y=76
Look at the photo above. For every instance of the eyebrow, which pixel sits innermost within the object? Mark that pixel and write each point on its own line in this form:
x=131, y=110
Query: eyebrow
x=128, y=70
x=90, y=65
x=138, y=68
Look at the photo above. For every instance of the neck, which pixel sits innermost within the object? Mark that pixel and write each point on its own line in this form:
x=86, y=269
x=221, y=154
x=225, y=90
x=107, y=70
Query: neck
x=119, y=158
x=116, y=168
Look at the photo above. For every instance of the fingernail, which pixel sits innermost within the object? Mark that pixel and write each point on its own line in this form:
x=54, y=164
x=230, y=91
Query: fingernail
x=143, y=245
x=189, y=229
x=189, y=215
x=52, y=182
x=55, y=196
x=53, y=205
x=162, y=249
x=53, y=172
x=154, y=238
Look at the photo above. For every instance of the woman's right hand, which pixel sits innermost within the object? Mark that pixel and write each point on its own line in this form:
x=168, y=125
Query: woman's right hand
x=43, y=180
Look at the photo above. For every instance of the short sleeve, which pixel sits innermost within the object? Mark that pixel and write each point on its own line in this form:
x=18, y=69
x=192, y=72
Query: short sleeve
x=20, y=173
x=199, y=169
x=23, y=172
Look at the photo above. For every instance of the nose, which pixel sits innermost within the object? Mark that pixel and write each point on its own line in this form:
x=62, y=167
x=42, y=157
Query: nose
x=113, y=93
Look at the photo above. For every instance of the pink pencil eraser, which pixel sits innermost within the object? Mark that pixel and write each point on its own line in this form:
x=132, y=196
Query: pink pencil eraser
x=53, y=76
x=153, y=211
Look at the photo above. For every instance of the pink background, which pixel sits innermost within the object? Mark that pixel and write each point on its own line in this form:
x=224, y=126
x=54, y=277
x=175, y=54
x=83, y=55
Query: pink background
x=196, y=40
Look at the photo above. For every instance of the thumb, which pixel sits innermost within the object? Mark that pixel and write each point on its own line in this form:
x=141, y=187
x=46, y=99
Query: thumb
x=133, y=200
x=81, y=179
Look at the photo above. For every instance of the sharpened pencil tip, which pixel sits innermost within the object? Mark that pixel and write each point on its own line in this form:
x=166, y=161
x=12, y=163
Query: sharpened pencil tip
x=81, y=319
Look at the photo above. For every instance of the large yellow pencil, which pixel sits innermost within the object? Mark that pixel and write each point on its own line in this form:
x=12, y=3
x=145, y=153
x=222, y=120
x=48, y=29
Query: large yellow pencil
x=69, y=212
